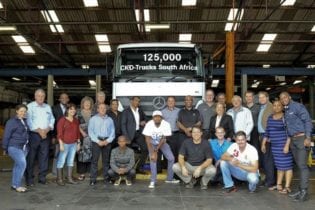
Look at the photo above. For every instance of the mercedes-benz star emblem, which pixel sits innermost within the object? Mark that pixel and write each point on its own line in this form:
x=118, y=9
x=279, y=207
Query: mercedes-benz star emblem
x=158, y=102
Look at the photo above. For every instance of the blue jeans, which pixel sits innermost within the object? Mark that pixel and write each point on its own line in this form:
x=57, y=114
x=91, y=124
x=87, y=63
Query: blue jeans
x=19, y=157
x=229, y=170
x=68, y=154
x=166, y=150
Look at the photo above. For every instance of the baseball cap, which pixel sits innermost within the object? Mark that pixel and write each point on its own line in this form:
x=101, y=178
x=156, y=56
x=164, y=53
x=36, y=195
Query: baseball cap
x=157, y=112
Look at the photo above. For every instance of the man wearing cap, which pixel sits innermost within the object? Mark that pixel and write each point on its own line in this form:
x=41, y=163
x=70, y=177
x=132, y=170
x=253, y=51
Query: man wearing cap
x=155, y=132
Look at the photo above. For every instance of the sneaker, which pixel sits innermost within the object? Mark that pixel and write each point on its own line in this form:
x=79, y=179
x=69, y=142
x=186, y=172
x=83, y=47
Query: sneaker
x=173, y=181
x=117, y=182
x=230, y=189
x=128, y=182
x=203, y=187
x=152, y=185
x=191, y=184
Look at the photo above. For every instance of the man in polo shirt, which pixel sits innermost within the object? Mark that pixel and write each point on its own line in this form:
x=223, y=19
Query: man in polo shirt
x=299, y=126
x=188, y=117
x=207, y=110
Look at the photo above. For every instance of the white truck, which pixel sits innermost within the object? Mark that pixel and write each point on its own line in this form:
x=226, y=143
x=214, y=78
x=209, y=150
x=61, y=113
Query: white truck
x=154, y=71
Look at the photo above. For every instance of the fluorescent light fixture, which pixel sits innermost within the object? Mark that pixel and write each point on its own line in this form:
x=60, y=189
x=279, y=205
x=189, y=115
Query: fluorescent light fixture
x=268, y=88
x=266, y=66
x=148, y=27
x=101, y=37
x=50, y=16
x=269, y=37
x=85, y=66
x=90, y=3
x=92, y=83
x=40, y=67
x=297, y=82
x=54, y=84
x=311, y=66
x=255, y=84
x=16, y=79
x=7, y=28
x=288, y=2
x=263, y=47
x=283, y=83
x=313, y=29
x=146, y=15
x=189, y=3
x=27, y=49
x=215, y=83
x=104, y=48
x=185, y=37
x=19, y=39
x=231, y=17
x=1, y=5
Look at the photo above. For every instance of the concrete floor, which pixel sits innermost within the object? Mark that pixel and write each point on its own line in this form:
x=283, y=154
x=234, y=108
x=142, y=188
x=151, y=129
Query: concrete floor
x=138, y=196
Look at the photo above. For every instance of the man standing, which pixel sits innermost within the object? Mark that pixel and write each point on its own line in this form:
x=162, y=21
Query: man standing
x=207, y=110
x=132, y=123
x=100, y=99
x=122, y=160
x=195, y=160
x=267, y=157
x=299, y=127
x=116, y=117
x=170, y=115
x=41, y=121
x=242, y=117
x=241, y=162
x=58, y=112
x=188, y=117
x=102, y=132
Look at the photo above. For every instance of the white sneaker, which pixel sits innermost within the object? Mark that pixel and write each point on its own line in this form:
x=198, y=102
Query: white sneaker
x=173, y=181
x=152, y=185
x=117, y=182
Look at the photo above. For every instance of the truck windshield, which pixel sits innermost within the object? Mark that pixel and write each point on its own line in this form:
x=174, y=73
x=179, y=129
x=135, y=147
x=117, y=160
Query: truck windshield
x=158, y=62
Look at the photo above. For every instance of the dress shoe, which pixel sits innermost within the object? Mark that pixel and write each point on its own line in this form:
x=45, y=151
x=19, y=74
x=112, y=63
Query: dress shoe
x=303, y=196
x=92, y=183
x=294, y=194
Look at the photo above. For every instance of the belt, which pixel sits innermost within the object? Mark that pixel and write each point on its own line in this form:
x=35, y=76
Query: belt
x=298, y=134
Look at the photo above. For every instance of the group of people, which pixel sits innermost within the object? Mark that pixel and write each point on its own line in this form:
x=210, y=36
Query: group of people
x=211, y=141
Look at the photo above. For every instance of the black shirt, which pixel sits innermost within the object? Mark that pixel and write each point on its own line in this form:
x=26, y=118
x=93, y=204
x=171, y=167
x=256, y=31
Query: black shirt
x=189, y=117
x=195, y=154
x=117, y=121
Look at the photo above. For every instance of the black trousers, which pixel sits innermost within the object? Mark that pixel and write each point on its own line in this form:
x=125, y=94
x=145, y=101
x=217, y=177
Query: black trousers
x=130, y=174
x=39, y=148
x=83, y=168
x=269, y=166
x=139, y=139
x=96, y=151
x=174, y=143
x=254, y=141
x=300, y=155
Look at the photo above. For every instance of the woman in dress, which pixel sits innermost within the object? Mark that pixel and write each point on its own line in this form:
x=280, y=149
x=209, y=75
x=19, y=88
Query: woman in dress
x=85, y=154
x=15, y=144
x=276, y=135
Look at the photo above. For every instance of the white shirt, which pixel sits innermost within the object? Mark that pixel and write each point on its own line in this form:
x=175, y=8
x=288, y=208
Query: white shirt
x=156, y=133
x=243, y=120
x=248, y=156
x=218, y=120
x=137, y=117
x=63, y=108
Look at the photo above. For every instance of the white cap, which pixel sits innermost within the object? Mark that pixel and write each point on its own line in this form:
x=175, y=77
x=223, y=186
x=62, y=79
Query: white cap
x=157, y=112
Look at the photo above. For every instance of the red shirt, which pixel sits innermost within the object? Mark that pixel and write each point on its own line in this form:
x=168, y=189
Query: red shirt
x=68, y=131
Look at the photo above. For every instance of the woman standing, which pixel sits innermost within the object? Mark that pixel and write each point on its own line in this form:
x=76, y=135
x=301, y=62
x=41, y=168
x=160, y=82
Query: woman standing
x=85, y=154
x=15, y=144
x=276, y=134
x=68, y=134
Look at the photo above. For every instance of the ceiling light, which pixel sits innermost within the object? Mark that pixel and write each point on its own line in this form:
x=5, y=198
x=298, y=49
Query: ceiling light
x=189, y=2
x=263, y=47
x=19, y=39
x=92, y=83
x=90, y=3
x=313, y=29
x=50, y=16
x=157, y=26
x=283, y=83
x=266, y=66
x=268, y=88
x=101, y=37
x=185, y=37
x=269, y=37
x=215, y=83
x=146, y=15
x=27, y=49
x=297, y=82
x=7, y=28
x=311, y=66
x=16, y=79
x=40, y=67
x=85, y=66
x=232, y=17
x=54, y=84
x=58, y=27
x=288, y=2
x=1, y=6
x=256, y=84
x=104, y=48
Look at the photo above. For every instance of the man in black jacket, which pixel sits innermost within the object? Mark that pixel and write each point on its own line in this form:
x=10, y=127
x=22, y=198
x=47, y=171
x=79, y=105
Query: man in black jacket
x=132, y=123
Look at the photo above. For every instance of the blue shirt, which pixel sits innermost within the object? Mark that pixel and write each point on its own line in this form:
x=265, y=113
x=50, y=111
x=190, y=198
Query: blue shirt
x=15, y=134
x=217, y=149
x=259, y=122
x=171, y=117
x=297, y=119
x=40, y=116
x=101, y=126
